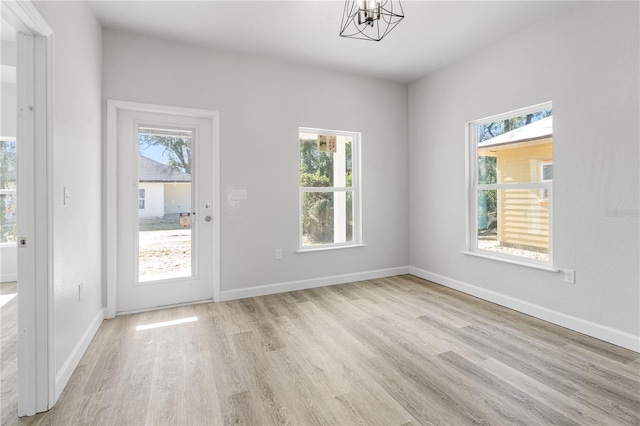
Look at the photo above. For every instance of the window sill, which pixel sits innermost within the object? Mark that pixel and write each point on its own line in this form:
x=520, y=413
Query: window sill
x=512, y=261
x=313, y=249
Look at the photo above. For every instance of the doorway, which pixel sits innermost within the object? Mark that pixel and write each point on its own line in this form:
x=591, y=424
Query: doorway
x=167, y=207
x=8, y=228
x=33, y=177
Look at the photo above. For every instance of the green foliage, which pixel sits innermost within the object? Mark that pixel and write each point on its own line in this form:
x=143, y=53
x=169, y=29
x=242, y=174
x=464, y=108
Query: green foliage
x=317, y=209
x=316, y=171
x=177, y=149
x=313, y=161
x=487, y=200
x=314, y=180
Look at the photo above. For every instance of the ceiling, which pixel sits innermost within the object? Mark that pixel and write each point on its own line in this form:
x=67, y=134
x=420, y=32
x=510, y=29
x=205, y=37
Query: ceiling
x=433, y=33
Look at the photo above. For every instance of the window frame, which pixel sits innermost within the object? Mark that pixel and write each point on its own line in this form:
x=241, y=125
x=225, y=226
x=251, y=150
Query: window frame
x=473, y=188
x=541, y=165
x=355, y=188
x=142, y=200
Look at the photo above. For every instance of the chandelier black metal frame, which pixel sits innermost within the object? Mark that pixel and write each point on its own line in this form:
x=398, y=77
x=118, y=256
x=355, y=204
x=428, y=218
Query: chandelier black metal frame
x=370, y=19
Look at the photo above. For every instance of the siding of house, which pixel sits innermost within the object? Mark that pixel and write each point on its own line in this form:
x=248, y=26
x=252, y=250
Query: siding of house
x=523, y=220
x=154, y=199
x=177, y=198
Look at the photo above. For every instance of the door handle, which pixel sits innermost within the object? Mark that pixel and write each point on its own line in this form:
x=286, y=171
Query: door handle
x=208, y=218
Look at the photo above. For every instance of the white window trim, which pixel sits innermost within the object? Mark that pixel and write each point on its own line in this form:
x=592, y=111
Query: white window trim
x=356, y=188
x=472, y=188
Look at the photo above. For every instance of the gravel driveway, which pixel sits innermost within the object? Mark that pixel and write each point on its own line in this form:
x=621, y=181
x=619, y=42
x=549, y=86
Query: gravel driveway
x=165, y=252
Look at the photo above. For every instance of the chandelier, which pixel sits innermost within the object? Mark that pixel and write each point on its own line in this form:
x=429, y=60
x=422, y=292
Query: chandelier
x=370, y=19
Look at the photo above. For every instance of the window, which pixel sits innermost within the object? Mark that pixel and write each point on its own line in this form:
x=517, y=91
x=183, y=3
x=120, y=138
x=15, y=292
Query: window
x=510, y=197
x=545, y=175
x=8, y=199
x=329, y=189
x=141, y=198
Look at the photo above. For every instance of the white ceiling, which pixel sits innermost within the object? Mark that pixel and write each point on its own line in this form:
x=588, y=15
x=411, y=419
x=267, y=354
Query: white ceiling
x=433, y=33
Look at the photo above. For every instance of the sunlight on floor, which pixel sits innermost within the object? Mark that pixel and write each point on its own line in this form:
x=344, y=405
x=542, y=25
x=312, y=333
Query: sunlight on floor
x=166, y=323
x=6, y=298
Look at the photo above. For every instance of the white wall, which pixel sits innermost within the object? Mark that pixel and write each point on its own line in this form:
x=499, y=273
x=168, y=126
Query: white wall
x=262, y=104
x=587, y=64
x=9, y=110
x=154, y=199
x=8, y=263
x=77, y=55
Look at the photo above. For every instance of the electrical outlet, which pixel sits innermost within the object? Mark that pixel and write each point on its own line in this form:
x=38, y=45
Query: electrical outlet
x=278, y=254
x=570, y=276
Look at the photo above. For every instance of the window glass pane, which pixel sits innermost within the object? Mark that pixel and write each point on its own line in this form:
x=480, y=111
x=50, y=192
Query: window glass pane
x=513, y=222
x=141, y=199
x=327, y=217
x=487, y=172
x=8, y=224
x=8, y=200
x=325, y=161
x=317, y=218
x=510, y=150
x=164, y=204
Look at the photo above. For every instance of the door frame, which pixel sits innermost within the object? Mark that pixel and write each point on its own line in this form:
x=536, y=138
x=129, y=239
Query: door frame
x=110, y=201
x=36, y=319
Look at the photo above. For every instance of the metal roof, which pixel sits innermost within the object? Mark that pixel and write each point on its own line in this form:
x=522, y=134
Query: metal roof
x=540, y=129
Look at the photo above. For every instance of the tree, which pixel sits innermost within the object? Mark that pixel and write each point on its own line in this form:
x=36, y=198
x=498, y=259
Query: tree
x=317, y=209
x=313, y=161
x=177, y=149
x=490, y=130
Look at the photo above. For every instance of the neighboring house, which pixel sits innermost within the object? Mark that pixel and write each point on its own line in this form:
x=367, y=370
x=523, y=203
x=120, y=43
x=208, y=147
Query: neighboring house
x=162, y=190
x=523, y=155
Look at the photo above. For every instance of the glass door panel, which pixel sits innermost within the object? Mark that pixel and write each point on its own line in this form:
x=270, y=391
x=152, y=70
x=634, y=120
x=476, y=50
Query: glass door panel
x=165, y=199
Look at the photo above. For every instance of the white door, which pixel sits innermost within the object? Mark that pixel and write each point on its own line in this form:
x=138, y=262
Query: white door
x=165, y=195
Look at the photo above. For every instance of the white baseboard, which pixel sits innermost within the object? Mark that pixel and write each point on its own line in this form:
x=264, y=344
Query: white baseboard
x=67, y=369
x=599, y=331
x=311, y=283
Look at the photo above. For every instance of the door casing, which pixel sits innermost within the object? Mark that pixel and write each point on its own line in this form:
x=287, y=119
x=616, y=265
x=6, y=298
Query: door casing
x=110, y=194
x=37, y=390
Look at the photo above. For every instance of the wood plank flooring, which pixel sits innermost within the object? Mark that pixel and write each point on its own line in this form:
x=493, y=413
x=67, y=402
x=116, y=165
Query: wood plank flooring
x=8, y=354
x=394, y=351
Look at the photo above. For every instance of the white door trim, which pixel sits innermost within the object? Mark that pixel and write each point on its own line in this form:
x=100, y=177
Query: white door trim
x=110, y=184
x=36, y=340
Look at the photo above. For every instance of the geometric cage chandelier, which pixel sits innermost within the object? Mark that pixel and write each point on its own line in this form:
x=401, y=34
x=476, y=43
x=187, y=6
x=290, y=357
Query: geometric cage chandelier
x=370, y=19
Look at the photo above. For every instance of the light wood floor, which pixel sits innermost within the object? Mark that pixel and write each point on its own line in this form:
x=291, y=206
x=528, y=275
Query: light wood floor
x=390, y=351
x=8, y=355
